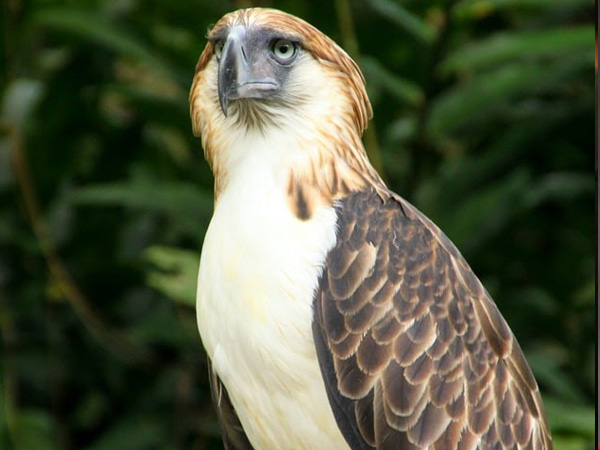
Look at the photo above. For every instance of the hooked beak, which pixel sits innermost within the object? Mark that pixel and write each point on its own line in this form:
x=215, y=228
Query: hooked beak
x=237, y=78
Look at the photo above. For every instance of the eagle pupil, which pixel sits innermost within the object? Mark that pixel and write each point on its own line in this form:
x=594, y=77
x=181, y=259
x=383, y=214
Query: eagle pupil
x=284, y=50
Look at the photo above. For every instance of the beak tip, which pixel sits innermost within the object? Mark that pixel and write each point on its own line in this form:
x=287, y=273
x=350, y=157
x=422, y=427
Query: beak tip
x=223, y=103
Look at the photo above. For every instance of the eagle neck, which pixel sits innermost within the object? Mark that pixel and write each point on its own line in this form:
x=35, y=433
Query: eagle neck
x=314, y=162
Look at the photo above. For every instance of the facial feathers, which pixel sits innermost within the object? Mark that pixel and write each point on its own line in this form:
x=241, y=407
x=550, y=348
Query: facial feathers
x=321, y=47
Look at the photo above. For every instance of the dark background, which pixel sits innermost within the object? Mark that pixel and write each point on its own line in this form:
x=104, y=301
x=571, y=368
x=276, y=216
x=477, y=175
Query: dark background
x=483, y=117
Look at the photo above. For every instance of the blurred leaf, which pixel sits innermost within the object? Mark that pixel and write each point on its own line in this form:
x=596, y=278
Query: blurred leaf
x=482, y=8
x=462, y=175
x=186, y=203
x=33, y=361
x=92, y=408
x=91, y=26
x=400, y=130
x=3, y=414
x=172, y=142
x=60, y=220
x=565, y=416
x=570, y=442
x=133, y=433
x=586, y=295
x=172, y=110
x=485, y=212
x=404, y=19
x=160, y=327
x=541, y=300
x=489, y=91
x=559, y=186
x=402, y=89
x=549, y=374
x=34, y=430
x=6, y=173
x=590, y=369
x=170, y=196
x=177, y=275
x=19, y=98
x=510, y=46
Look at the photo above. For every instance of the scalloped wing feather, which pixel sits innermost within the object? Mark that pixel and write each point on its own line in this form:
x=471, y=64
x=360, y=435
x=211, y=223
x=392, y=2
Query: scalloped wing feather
x=414, y=352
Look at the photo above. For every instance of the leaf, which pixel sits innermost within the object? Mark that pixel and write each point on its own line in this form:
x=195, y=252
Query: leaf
x=60, y=219
x=91, y=409
x=3, y=415
x=461, y=175
x=586, y=295
x=34, y=430
x=171, y=141
x=401, y=88
x=485, y=212
x=482, y=8
x=160, y=324
x=404, y=19
x=19, y=99
x=170, y=110
x=177, y=273
x=186, y=203
x=548, y=373
x=570, y=417
x=510, y=46
x=537, y=299
x=91, y=26
x=570, y=442
x=7, y=177
x=134, y=432
x=476, y=99
x=162, y=195
x=559, y=186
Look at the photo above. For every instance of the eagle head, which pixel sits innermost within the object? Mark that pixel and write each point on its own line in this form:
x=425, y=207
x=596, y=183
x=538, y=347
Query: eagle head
x=261, y=65
x=265, y=74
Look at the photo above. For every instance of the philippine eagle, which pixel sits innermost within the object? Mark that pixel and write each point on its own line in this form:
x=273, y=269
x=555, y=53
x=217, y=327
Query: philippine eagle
x=334, y=314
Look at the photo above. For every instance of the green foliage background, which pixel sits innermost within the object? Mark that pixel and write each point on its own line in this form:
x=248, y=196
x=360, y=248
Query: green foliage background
x=483, y=118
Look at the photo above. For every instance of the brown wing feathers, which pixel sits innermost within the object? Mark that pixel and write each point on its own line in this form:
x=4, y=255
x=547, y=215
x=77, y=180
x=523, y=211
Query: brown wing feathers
x=413, y=351
x=234, y=437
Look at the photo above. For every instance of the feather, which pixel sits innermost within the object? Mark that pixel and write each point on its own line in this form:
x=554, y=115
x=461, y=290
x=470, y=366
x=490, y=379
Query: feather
x=448, y=375
x=234, y=437
x=412, y=350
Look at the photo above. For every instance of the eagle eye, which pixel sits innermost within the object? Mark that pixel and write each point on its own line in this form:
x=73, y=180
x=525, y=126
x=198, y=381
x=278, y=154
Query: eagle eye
x=284, y=50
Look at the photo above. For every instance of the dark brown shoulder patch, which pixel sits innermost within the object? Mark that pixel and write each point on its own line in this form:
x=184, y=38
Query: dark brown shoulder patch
x=301, y=206
x=301, y=199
